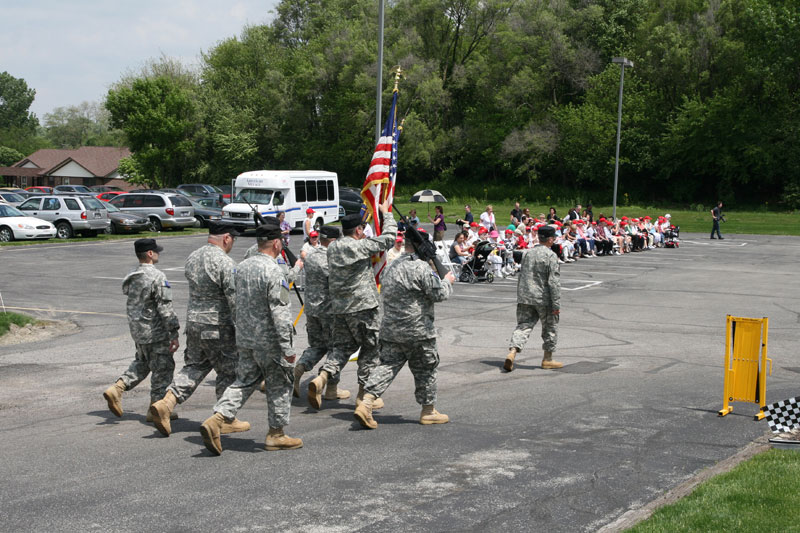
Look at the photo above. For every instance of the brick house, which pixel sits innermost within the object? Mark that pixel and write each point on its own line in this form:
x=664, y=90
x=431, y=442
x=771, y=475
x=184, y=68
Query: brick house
x=87, y=165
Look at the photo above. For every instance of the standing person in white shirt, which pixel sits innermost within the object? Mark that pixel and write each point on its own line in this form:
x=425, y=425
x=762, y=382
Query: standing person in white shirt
x=487, y=219
x=308, y=224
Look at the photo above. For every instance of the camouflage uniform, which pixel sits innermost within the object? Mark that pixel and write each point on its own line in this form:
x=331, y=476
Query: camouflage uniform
x=538, y=295
x=153, y=325
x=409, y=288
x=263, y=338
x=290, y=273
x=354, y=300
x=210, y=334
x=319, y=322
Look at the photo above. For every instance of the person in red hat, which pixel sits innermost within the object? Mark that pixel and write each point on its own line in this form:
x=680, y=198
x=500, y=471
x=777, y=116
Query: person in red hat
x=397, y=249
x=311, y=245
x=308, y=223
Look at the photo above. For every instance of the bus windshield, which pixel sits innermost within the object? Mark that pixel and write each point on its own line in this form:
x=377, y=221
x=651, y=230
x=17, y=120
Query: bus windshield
x=254, y=196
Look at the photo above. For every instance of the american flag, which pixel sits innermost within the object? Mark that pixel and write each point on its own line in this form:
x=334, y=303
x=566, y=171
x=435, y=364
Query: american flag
x=379, y=184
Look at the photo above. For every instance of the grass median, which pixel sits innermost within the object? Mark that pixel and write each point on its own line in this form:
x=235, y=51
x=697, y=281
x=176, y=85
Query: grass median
x=8, y=318
x=760, y=494
x=107, y=237
x=694, y=221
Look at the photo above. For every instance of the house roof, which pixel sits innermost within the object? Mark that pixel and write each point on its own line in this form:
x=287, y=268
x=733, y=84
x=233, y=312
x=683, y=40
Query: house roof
x=99, y=160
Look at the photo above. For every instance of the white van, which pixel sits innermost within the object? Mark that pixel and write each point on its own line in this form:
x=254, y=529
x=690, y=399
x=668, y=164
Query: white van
x=291, y=191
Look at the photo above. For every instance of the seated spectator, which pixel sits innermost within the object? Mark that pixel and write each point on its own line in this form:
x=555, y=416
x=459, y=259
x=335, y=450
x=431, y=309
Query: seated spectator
x=472, y=233
x=495, y=259
x=311, y=244
x=396, y=250
x=552, y=215
x=516, y=214
x=468, y=217
x=459, y=250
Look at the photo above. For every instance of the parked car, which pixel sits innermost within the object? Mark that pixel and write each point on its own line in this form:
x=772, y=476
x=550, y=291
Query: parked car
x=38, y=189
x=349, y=201
x=69, y=214
x=226, y=193
x=164, y=210
x=22, y=192
x=12, y=198
x=108, y=195
x=16, y=225
x=105, y=188
x=71, y=189
x=200, y=189
x=203, y=213
x=124, y=222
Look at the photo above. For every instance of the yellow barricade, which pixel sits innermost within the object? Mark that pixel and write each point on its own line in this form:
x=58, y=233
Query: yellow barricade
x=746, y=363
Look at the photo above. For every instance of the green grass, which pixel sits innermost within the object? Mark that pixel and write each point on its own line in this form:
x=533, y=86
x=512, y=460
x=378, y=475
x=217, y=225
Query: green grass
x=760, y=494
x=6, y=319
x=104, y=237
x=753, y=222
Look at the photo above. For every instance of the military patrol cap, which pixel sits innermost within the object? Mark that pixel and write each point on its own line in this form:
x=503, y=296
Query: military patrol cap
x=545, y=232
x=268, y=231
x=221, y=228
x=351, y=221
x=145, y=245
x=330, y=232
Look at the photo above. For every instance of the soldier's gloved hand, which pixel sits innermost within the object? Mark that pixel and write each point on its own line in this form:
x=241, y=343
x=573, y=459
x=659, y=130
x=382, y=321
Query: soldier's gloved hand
x=450, y=277
x=174, y=345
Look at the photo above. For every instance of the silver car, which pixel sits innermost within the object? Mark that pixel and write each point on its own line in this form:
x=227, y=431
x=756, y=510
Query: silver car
x=69, y=214
x=164, y=210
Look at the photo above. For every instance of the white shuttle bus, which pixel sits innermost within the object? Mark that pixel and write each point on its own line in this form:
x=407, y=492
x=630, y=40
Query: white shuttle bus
x=291, y=191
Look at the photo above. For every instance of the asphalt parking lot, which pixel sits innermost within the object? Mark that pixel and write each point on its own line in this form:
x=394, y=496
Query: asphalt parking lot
x=631, y=415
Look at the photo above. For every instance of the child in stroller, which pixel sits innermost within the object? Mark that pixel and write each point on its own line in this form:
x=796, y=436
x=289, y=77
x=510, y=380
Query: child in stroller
x=477, y=269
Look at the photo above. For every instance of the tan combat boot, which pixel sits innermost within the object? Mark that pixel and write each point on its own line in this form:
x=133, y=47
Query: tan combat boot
x=315, y=389
x=332, y=392
x=376, y=404
x=160, y=413
x=548, y=363
x=509, y=364
x=277, y=440
x=363, y=412
x=430, y=415
x=210, y=431
x=237, y=426
x=113, y=396
x=299, y=370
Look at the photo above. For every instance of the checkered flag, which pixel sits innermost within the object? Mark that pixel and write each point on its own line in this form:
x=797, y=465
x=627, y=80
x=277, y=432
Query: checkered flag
x=783, y=416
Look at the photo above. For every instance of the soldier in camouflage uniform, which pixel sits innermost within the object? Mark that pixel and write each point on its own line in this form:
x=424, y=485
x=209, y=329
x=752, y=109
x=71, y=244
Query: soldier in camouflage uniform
x=354, y=301
x=409, y=288
x=210, y=334
x=319, y=321
x=153, y=324
x=264, y=340
x=538, y=298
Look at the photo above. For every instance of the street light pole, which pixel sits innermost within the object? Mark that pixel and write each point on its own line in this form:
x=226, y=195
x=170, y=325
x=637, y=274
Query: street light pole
x=623, y=62
x=380, y=73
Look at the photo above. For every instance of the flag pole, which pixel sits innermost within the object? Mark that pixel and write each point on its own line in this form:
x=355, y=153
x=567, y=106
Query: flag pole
x=378, y=104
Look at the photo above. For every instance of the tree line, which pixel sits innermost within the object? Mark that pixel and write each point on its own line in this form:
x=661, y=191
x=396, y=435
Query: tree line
x=516, y=96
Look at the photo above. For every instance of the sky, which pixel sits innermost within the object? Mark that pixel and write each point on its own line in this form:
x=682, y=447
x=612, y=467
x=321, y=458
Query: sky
x=72, y=52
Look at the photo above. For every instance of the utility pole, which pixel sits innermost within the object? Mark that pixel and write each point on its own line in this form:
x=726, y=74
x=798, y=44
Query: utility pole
x=623, y=62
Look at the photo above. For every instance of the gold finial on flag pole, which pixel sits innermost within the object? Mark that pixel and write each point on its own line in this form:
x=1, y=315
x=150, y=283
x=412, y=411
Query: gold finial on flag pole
x=397, y=75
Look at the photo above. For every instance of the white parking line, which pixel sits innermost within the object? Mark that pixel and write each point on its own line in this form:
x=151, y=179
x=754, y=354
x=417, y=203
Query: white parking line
x=50, y=310
x=587, y=284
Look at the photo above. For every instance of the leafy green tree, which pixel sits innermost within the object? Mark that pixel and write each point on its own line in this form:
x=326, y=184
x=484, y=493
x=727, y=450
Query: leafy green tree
x=159, y=118
x=8, y=156
x=15, y=101
x=87, y=124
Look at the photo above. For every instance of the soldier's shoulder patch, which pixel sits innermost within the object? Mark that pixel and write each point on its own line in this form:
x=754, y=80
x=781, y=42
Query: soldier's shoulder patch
x=281, y=261
x=284, y=284
x=166, y=283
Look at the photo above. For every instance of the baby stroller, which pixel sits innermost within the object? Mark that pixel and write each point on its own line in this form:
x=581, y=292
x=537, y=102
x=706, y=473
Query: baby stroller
x=476, y=269
x=671, y=237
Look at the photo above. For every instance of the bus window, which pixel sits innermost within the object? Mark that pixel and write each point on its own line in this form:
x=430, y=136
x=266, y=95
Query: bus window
x=299, y=191
x=278, y=198
x=331, y=195
x=322, y=190
x=254, y=196
x=311, y=191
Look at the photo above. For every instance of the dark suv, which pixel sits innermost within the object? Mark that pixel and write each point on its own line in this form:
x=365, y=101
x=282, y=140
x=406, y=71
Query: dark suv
x=200, y=189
